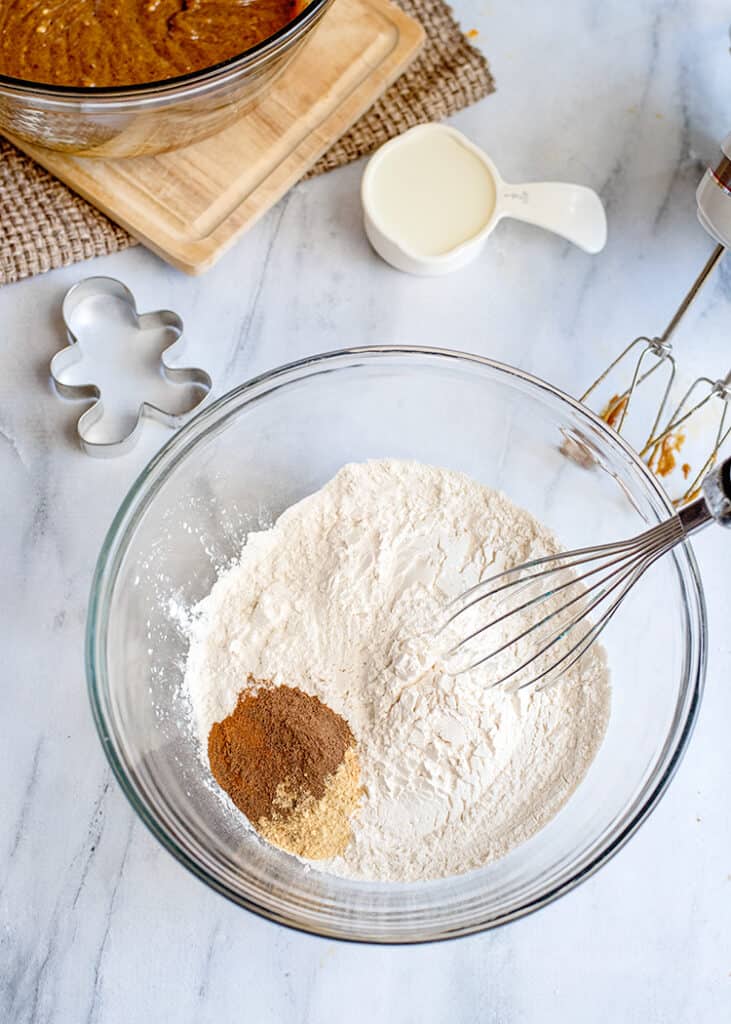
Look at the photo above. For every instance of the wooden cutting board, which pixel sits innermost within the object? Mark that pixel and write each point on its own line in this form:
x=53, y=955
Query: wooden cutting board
x=189, y=206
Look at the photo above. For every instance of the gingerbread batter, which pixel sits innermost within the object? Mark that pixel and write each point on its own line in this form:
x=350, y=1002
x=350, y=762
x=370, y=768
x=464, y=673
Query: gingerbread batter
x=130, y=42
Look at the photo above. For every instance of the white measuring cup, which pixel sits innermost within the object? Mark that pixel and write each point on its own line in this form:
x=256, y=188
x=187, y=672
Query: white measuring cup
x=574, y=212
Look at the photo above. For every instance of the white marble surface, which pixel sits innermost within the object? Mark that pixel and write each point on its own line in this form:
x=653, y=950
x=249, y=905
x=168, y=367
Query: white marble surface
x=98, y=922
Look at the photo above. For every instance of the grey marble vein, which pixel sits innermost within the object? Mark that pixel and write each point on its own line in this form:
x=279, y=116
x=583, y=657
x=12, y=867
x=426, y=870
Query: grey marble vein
x=276, y=219
x=27, y=800
x=94, y=1012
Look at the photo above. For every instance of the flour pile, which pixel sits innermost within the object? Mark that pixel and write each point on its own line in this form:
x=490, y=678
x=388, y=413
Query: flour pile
x=339, y=598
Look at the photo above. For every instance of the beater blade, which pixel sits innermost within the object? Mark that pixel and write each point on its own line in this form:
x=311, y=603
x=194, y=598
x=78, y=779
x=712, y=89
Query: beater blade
x=661, y=449
x=645, y=357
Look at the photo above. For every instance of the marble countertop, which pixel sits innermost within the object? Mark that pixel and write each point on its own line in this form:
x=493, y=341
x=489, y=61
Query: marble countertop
x=98, y=922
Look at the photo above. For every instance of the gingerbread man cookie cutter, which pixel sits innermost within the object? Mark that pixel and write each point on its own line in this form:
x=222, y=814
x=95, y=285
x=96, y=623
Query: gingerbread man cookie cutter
x=85, y=310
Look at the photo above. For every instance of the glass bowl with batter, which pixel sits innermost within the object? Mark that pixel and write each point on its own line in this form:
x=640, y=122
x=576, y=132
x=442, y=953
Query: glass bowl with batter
x=282, y=436
x=144, y=101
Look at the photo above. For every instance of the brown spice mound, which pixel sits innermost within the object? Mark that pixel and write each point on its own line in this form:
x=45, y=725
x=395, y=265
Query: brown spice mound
x=288, y=762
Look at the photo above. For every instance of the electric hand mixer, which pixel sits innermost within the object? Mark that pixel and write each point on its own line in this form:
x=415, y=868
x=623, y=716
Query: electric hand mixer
x=646, y=356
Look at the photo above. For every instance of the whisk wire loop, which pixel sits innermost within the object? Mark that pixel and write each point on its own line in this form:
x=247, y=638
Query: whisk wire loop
x=616, y=566
x=569, y=560
x=557, y=668
x=521, y=584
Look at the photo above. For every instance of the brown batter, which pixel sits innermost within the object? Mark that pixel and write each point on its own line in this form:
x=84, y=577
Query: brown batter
x=130, y=42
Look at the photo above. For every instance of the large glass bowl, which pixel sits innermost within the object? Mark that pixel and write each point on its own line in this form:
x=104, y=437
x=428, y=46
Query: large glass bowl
x=234, y=468
x=136, y=120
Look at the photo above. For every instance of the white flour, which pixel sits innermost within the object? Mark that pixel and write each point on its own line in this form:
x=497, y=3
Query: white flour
x=334, y=598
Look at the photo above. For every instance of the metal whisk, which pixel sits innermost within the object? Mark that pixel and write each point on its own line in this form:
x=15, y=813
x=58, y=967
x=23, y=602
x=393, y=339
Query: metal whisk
x=554, y=608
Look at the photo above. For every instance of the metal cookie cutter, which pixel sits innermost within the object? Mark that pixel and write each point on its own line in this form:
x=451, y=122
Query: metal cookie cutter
x=86, y=312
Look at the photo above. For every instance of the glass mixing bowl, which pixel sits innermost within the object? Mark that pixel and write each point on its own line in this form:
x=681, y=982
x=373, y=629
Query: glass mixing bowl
x=265, y=445
x=136, y=120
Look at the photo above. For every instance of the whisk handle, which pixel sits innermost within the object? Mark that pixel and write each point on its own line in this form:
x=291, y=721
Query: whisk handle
x=693, y=516
x=715, y=502
x=716, y=488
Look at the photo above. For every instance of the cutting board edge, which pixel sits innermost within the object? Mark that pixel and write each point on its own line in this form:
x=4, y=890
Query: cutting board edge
x=196, y=256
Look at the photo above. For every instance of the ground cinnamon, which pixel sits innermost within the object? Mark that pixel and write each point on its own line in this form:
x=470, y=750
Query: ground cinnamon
x=281, y=757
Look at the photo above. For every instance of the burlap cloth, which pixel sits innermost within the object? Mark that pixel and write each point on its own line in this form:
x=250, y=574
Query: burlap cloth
x=44, y=225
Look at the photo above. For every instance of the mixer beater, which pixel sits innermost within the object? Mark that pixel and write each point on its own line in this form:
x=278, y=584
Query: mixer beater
x=645, y=357
x=650, y=355
x=702, y=393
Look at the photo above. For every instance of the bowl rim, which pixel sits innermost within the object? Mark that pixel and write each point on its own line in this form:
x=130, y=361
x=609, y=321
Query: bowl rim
x=175, y=449
x=87, y=94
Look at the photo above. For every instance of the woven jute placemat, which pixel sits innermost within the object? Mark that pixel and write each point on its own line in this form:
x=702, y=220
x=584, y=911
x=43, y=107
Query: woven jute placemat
x=44, y=225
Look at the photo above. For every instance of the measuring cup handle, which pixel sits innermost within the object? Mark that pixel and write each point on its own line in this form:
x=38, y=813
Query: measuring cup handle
x=572, y=211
